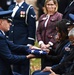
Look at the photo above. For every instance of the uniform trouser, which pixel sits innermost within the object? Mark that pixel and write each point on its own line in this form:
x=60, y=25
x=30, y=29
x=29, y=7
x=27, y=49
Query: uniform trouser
x=40, y=73
x=22, y=69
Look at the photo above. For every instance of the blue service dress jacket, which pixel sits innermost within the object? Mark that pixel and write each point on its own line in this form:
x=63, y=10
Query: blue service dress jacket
x=6, y=56
x=20, y=31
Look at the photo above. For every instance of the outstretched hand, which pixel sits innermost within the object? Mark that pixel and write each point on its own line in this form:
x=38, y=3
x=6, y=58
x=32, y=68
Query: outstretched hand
x=30, y=56
x=34, y=47
x=46, y=69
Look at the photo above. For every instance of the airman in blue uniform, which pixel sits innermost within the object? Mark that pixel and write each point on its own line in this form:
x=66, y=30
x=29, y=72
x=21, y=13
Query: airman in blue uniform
x=7, y=47
x=23, y=28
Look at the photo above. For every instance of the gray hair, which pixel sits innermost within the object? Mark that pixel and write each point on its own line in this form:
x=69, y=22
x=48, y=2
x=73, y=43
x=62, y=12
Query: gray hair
x=71, y=32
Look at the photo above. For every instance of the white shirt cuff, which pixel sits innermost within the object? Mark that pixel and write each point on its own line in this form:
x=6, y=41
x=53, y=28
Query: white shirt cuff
x=51, y=44
x=29, y=45
x=41, y=42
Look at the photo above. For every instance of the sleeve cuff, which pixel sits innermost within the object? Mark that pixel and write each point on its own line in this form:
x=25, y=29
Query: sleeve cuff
x=29, y=45
x=50, y=43
x=41, y=42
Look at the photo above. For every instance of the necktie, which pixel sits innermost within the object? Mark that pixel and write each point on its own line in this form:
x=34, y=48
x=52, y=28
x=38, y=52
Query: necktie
x=15, y=10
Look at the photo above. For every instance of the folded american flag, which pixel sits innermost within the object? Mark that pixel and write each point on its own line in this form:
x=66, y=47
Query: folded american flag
x=37, y=52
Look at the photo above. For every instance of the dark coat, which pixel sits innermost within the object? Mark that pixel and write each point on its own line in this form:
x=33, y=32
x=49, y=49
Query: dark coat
x=40, y=5
x=69, y=9
x=20, y=32
x=67, y=64
x=70, y=71
x=62, y=4
x=6, y=56
x=58, y=52
x=50, y=60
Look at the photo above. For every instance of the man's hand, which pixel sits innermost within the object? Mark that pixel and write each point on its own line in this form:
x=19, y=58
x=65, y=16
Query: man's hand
x=47, y=45
x=47, y=50
x=46, y=69
x=34, y=47
x=43, y=46
x=30, y=56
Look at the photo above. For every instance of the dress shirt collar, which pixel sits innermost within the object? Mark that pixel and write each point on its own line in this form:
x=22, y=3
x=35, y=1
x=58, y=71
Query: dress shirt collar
x=20, y=3
x=2, y=32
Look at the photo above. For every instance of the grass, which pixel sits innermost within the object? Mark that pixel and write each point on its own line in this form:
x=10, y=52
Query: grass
x=35, y=63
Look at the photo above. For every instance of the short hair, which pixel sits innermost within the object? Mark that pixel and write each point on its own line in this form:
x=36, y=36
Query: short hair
x=71, y=32
x=54, y=1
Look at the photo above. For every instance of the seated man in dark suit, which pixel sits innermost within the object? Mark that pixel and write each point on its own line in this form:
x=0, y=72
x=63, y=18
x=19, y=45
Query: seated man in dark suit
x=7, y=47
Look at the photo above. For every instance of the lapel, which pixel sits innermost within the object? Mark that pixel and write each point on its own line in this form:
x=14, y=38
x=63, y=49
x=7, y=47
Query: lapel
x=69, y=7
x=42, y=20
x=1, y=33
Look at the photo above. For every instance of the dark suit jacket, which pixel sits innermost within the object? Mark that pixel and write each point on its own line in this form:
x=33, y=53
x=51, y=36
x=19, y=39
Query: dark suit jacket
x=6, y=56
x=68, y=10
x=53, y=59
x=40, y=5
x=70, y=71
x=58, y=52
x=62, y=4
x=20, y=32
x=68, y=60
